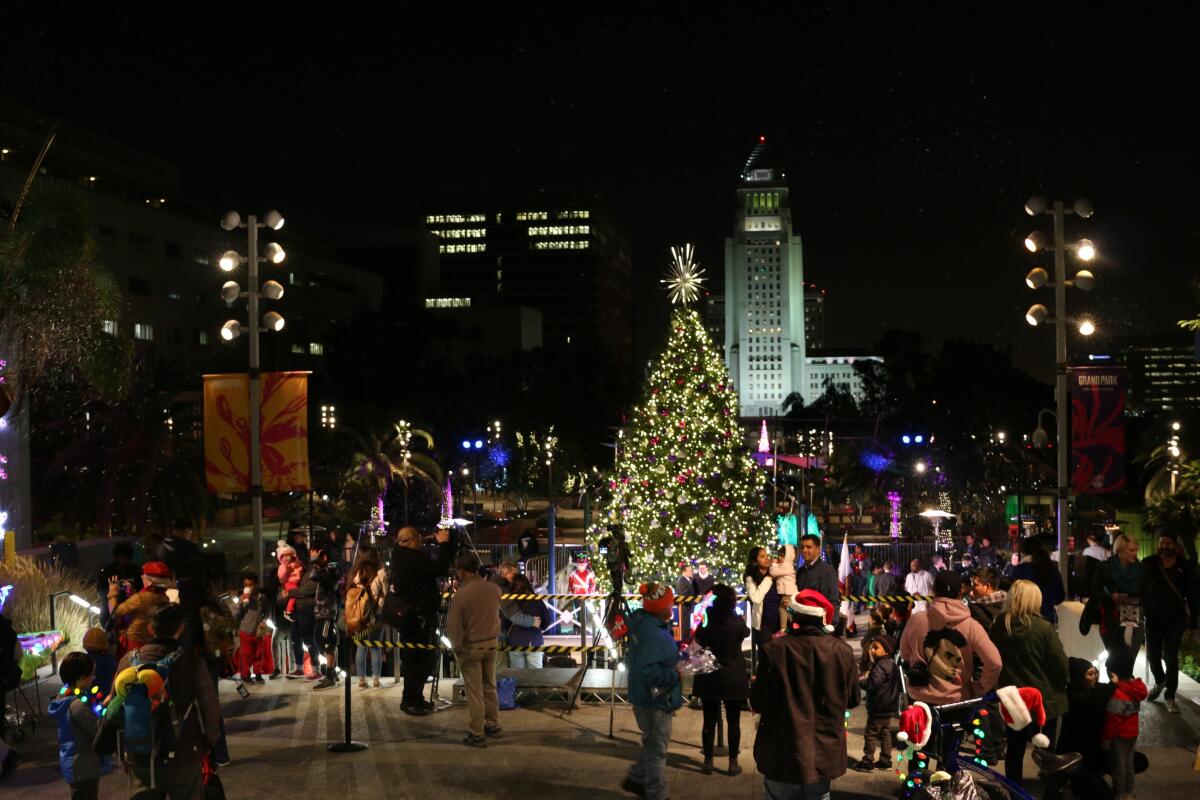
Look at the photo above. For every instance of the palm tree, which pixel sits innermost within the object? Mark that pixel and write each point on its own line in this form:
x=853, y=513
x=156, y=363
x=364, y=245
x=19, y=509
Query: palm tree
x=380, y=460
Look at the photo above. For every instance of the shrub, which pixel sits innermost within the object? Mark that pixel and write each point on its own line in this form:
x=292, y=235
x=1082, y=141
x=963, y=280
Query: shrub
x=29, y=604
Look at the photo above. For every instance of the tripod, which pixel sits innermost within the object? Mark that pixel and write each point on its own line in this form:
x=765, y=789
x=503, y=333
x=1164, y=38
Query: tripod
x=434, y=697
x=616, y=605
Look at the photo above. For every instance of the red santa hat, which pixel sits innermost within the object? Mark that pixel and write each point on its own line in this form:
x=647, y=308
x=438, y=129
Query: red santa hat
x=916, y=723
x=1021, y=707
x=809, y=603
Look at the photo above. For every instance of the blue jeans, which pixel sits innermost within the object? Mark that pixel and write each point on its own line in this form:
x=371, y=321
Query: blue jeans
x=778, y=790
x=360, y=661
x=647, y=771
x=529, y=660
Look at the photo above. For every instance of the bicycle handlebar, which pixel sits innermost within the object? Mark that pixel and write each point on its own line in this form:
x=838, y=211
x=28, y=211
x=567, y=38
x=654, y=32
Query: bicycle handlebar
x=990, y=697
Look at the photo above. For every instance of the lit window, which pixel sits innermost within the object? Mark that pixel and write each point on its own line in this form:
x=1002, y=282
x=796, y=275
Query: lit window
x=447, y=302
x=174, y=293
x=561, y=244
x=297, y=348
x=316, y=349
x=460, y=233
x=462, y=248
x=532, y=216
x=201, y=337
x=143, y=331
x=559, y=230
x=109, y=326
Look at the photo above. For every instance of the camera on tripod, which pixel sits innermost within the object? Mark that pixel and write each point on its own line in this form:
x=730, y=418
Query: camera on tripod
x=615, y=549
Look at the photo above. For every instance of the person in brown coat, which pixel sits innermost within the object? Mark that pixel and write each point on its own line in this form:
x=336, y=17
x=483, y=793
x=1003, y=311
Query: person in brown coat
x=133, y=616
x=805, y=683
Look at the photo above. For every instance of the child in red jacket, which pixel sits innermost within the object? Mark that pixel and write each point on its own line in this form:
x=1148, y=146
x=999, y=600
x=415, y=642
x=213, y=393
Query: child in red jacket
x=1121, y=720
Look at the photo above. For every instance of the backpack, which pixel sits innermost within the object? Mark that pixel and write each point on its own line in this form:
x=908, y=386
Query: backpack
x=150, y=722
x=360, y=609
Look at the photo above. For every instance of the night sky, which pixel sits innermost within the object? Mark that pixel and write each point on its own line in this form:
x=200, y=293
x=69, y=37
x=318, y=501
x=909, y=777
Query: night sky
x=911, y=138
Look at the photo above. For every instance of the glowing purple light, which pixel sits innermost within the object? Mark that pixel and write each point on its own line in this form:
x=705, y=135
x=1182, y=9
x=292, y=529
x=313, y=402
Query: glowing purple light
x=894, y=501
x=764, y=444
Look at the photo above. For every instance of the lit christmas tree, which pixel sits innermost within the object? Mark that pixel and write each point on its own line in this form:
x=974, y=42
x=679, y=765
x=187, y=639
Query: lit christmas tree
x=685, y=487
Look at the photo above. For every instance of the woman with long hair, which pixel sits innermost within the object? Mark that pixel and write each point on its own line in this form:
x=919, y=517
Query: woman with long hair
x=1117, y=592
x=370, y=574
x=723, y=635
x=1031, y=654
x=1037, y=566
x=526, y=635
x=760, y=592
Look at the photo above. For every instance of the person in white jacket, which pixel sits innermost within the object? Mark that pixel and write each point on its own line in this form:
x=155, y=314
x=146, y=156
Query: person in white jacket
x=761, y=593
x=918, y=581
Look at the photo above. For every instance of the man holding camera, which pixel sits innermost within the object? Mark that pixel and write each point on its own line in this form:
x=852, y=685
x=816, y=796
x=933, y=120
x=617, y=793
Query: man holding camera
x=415, y=583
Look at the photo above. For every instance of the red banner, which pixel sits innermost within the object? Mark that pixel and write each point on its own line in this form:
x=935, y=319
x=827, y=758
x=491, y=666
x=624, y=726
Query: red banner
x=283, y=432
x=1097, y=429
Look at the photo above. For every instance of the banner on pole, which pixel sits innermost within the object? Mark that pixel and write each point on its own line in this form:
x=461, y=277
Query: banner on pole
x=283, y=432
x=1097, y=429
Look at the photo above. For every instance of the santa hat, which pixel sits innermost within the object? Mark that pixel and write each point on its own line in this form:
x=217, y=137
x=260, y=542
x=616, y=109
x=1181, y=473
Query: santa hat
x=809, y=603
x=1021, y=707
x=916, y=723
x=156, y=574
x=656, y=597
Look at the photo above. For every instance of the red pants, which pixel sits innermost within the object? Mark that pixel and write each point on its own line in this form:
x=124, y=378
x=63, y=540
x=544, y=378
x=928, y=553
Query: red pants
x=255, y=654
x=266, y=656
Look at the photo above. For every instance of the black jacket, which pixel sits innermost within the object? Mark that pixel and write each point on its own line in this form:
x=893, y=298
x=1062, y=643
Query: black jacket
x=887, y=584
x=821, y=577
x=883, y=689
x=724, y=639
x=1162, y=603
x=1085, y=718
x=415, y=576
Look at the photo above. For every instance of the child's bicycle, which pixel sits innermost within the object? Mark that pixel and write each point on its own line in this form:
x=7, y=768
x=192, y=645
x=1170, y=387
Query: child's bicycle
x=958, y=776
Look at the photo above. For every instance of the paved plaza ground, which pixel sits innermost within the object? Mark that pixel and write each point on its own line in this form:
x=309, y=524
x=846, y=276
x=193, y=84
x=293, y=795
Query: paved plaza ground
x=277, y=738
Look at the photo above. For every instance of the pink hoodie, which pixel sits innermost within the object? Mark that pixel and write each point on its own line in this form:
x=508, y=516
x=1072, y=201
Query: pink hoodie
x=944, y=612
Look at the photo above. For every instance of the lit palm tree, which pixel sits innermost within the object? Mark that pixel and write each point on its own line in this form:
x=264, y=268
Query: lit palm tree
x=380, y=460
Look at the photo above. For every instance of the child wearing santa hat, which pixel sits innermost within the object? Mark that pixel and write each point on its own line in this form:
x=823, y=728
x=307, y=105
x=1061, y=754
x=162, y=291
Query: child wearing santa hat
x=655, y=687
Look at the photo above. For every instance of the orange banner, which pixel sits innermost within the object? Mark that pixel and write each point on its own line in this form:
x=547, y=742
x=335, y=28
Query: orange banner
x=283, y=432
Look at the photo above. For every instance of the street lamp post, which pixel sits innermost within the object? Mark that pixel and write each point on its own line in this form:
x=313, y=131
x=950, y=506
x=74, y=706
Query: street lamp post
x=1173, y=455
x=233, y=328
x=1085, y=251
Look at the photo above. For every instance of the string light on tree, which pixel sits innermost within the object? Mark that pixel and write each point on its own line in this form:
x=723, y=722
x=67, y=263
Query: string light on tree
x=685, y=487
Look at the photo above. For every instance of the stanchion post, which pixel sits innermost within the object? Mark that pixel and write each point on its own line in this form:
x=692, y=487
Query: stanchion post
x=347, y=745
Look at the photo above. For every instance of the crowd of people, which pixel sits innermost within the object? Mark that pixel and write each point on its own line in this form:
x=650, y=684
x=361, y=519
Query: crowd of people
x=987, y=632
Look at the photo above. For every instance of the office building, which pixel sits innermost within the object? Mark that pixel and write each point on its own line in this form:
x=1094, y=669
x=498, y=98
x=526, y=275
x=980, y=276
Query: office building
x=569, y=260
x=764, y=292
x=837, y=369
x=1163, y=372
x=714, y=318
x=814, y=316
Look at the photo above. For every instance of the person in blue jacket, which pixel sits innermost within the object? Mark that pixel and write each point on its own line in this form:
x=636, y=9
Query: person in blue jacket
x=77, y=708
x=655, y=687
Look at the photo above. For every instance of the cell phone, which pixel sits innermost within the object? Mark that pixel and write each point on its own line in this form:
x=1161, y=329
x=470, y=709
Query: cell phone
x=243, y=691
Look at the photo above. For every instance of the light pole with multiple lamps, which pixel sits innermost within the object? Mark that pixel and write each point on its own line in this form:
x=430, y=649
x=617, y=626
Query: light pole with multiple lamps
x=271, y=321
x=1174, y=455
x=1038, y=277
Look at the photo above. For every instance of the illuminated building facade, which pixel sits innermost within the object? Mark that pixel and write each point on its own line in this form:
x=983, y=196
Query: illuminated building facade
x=568, y=259
x=764, y=293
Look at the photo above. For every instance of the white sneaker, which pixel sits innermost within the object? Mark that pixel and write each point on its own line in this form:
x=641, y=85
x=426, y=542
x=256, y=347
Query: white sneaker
x=1172, y=706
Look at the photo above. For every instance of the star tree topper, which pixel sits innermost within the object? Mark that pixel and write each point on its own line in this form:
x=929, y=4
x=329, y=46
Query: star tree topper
x=684, y=277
